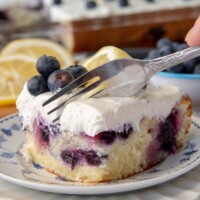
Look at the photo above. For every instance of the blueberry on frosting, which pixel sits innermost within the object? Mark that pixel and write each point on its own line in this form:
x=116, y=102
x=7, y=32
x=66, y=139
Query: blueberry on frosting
x=76, y=70
x=57, y=2
x=37, y=85
x=59, y=79
x=91, y=4
x=123, y=3
x=150, y=1
x=46, y=65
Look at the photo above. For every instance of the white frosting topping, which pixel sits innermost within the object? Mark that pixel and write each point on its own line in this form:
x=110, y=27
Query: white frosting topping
x=94, y=115
x=29, y=106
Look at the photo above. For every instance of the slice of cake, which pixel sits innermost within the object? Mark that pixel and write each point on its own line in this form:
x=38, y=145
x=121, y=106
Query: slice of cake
x=100, y=139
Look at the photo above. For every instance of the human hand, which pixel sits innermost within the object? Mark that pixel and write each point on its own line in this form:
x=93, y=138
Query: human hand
x=193, y=36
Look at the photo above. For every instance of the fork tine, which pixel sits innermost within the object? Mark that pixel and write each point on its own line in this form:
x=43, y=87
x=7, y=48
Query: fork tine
x=74, y=84
x=68, y=99
x=56, y=119
x=76, y=95
x=57, y=107
x=111, y=68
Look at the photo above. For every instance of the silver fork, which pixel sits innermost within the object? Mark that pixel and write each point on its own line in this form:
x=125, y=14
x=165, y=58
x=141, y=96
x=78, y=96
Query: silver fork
x=112, y=71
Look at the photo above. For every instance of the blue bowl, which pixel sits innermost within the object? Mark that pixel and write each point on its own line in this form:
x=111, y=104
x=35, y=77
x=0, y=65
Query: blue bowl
x=179, y=76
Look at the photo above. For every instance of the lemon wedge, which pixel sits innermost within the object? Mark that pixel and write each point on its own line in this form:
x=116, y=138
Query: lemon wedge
x=15, y=70
x=36, y=47
x=104, y=55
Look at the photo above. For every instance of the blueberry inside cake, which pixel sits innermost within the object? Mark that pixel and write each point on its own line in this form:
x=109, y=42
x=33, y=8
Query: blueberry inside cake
x=100, y=139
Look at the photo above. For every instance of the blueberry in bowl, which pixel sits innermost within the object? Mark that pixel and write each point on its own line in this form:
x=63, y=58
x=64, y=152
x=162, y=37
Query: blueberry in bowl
x=185, y=75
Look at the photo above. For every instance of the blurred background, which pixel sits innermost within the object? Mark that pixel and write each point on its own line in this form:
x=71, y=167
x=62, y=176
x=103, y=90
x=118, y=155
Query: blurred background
x=143, y=28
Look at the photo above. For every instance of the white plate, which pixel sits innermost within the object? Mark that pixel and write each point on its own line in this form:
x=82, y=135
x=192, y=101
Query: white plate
x=14, y=169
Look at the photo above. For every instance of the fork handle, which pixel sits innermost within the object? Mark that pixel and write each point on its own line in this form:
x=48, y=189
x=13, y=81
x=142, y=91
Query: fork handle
x=159, y=64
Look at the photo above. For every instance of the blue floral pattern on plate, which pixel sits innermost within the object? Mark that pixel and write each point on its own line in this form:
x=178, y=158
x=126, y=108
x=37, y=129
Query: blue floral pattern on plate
x=13, y=167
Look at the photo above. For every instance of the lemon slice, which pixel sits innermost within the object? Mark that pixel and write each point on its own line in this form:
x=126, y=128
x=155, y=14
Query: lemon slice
x=36, y=47
x=104, y=55
x=15, y=70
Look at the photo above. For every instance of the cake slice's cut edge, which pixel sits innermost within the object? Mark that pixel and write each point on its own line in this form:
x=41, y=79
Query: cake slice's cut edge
x=125, y=158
